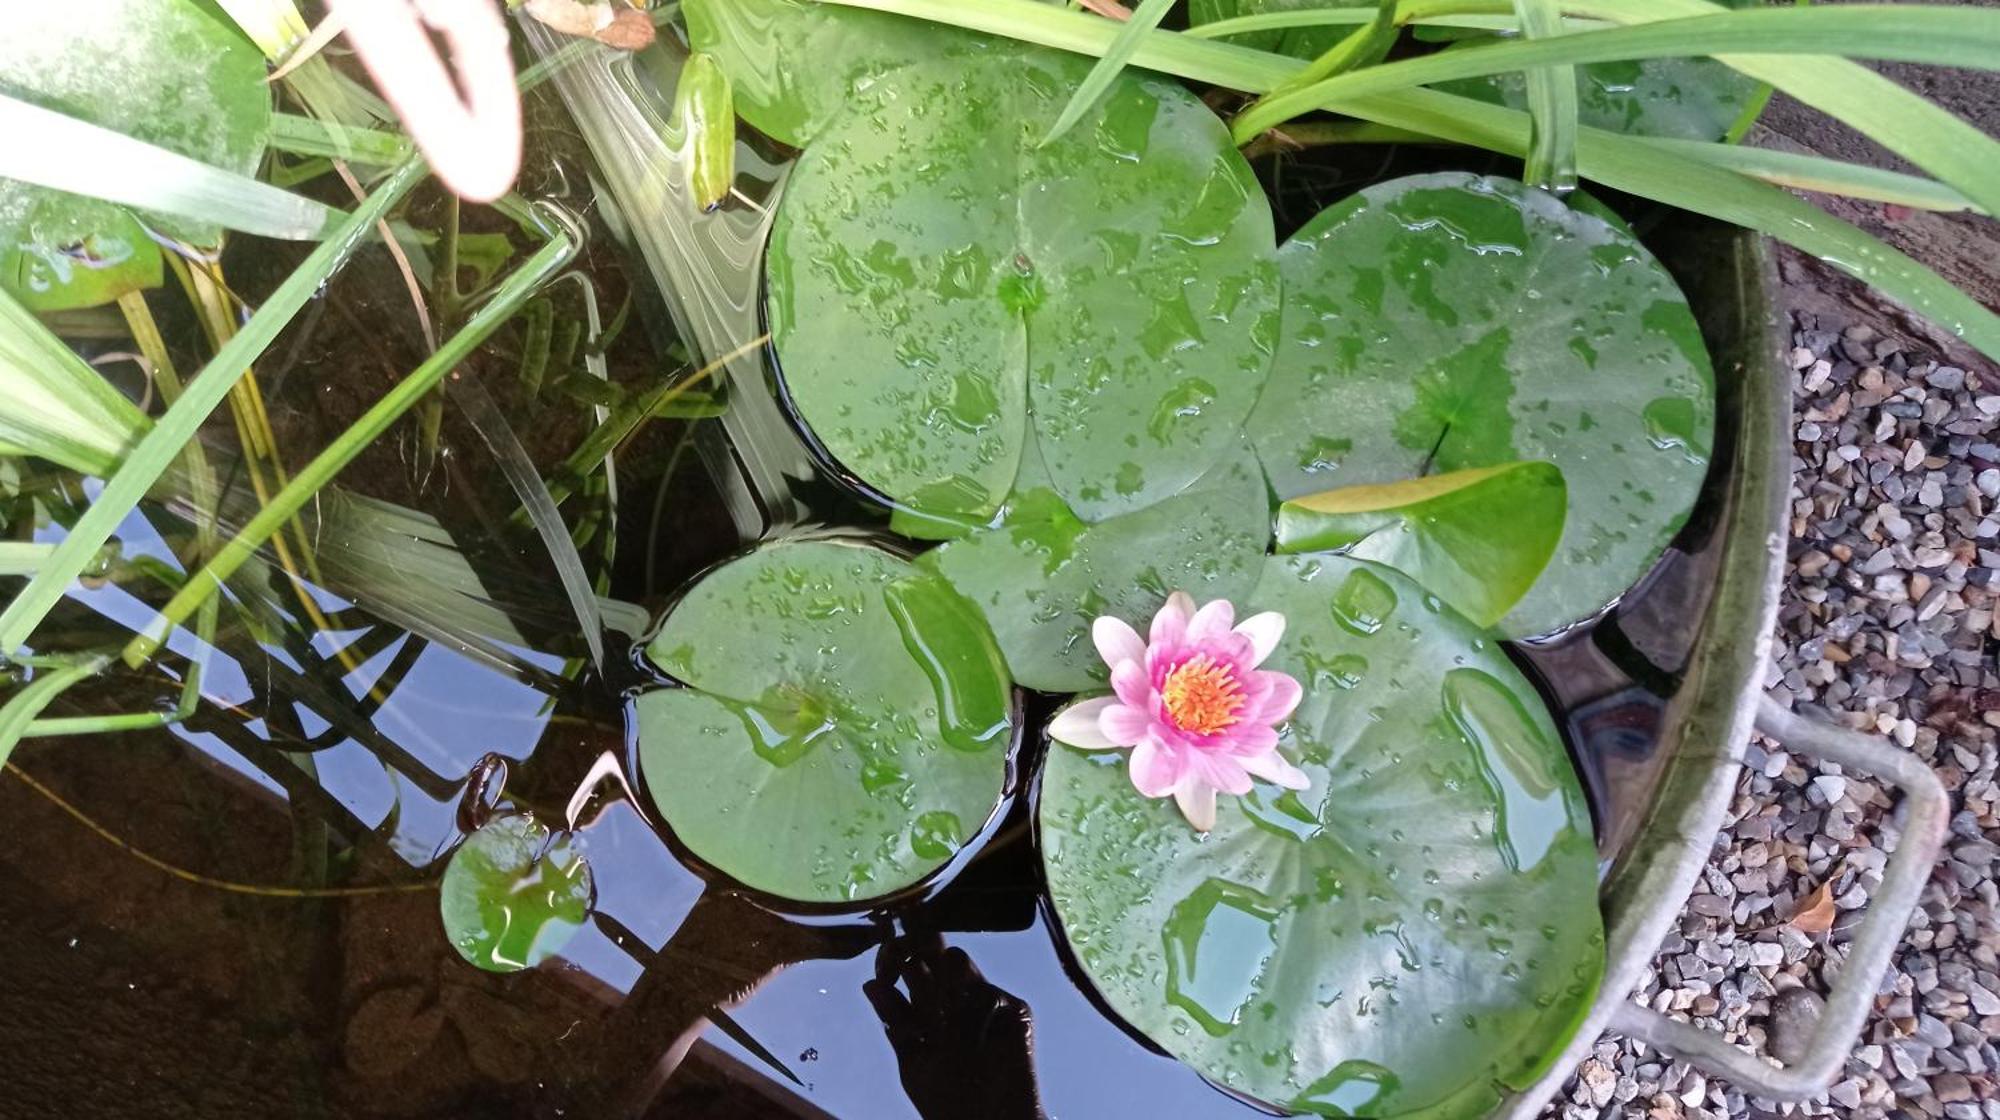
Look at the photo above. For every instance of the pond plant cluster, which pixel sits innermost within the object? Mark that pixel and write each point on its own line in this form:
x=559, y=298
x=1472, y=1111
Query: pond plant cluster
x=1207, y=545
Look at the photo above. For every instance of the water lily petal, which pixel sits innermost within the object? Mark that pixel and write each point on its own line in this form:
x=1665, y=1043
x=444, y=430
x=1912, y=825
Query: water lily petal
x=1124, y=725
x=1220, y=770
x=1077, y=724
x=1253, y=738
x=1264, y=630
x=1283, y=698
x=1272, y=767
x=1116, y=641
x=1170, y=625
x=1211, y=621
x=1155, y=770
x=1197, y=802
x=1130, y=681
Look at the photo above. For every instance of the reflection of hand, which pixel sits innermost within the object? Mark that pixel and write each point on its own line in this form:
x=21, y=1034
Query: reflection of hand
x=965, y=1047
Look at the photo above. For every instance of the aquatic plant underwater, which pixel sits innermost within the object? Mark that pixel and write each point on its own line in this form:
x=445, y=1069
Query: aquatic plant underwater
x=1050, y=489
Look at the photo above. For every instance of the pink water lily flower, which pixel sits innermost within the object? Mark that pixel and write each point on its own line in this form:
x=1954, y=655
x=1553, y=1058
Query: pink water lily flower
x=1190, y=702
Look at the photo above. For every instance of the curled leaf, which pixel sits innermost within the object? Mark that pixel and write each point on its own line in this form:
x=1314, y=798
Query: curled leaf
x=1478, y=539
x=706, y=115
x=1815, y=913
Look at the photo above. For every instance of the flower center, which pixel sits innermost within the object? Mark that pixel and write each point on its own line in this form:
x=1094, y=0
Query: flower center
x=1201, y=696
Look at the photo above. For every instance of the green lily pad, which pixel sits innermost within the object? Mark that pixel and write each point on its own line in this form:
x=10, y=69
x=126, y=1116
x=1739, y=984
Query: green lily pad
x=794, y=66
x=66, y=252
x=514, y=894
x=940, y=286
x=169, y=72
x=1298, y=42
x=1683, y=98
x=1042, y=575
x=1415, y=930
x=1444, y=322
x=1476, y=538
x=845, y=725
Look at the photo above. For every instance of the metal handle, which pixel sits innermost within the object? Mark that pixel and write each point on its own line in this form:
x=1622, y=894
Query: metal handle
x=1847, y=1006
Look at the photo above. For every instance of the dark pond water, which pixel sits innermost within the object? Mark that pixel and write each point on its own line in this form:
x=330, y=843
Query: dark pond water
x=334, y=752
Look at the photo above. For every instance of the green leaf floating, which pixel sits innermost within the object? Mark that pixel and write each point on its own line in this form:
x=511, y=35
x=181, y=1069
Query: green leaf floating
x=1476, y=538
x=845, y=724
x=1042, y=575
x=1682, y=98
x=1444, y=322
x=169, y=72
x=514, y=894
x=1415, y=929
x=940, y=287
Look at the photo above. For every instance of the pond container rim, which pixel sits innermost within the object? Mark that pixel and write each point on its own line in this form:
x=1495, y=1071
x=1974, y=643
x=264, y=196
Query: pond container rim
x=1731, y=281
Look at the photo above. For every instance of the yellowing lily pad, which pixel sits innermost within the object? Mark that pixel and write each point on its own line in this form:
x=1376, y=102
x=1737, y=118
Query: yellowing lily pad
x=844, y=725
x=1476, y=538
x=1414, y=933
x=1447, y=322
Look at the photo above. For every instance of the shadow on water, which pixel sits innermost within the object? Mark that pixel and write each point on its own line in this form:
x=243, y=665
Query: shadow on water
x=335, y=758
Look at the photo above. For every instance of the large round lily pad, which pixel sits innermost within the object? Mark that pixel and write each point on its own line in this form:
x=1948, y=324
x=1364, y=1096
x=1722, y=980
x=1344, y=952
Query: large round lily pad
x=1450, y=321
x=1414, y=930
x=940, y=285
x=1042, y=575
x=844, y=726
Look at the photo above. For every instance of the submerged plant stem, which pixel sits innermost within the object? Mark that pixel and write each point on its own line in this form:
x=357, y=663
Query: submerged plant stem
x=185, y=875
x=372, y=424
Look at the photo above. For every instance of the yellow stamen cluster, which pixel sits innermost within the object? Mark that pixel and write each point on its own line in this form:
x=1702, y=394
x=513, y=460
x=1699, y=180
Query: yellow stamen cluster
x=1201, y=696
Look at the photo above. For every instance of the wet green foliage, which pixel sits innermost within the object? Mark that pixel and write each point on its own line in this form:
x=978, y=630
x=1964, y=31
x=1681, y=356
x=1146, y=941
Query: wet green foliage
x=1449, y=321
x=168, y=72
x=1413, y=931
x=1477, y=539
x=1043, y=574
x=844, y=728
x=514, y=894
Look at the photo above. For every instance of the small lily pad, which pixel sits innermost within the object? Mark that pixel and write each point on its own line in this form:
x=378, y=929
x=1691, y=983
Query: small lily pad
x=1410, y=934
x=173, y=73
x=844, y=725
x=514, y=894
x=1042, y=575
x=941, y=286
x=1444, y=322
x=1476, y=538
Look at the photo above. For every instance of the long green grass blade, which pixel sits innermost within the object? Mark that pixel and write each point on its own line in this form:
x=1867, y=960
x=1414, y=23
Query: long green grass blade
x=1338, y=17
x=1145, y=17
x=1817, y=173
x=1551, y=162
x=304, y=136
x=57, y=407
x=1942, y=36
x=158, y=448
x=52, y=150
x=1634, y=164
x=20, y=711
x=506, y=300
x=22, y=558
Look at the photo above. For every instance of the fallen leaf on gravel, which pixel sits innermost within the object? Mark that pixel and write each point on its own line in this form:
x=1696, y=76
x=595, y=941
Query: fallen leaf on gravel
x=1815, y=912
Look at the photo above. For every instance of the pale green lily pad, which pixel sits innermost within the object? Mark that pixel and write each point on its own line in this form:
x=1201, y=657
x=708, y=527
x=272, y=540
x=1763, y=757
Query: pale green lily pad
x=1042, y=575
x=1444, y=322
x=1415, y=931
x=1476, y=538
x=1682, y=98
x=940, y=285
x=514, y=894
x=796, y=65
x=845, y=725
x=169, y=72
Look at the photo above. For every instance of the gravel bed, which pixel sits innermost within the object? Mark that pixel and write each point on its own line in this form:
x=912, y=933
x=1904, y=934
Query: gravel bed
x=1892, y=619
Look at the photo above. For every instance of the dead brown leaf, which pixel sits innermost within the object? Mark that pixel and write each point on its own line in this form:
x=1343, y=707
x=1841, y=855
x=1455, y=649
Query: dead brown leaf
x=1815, y=913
